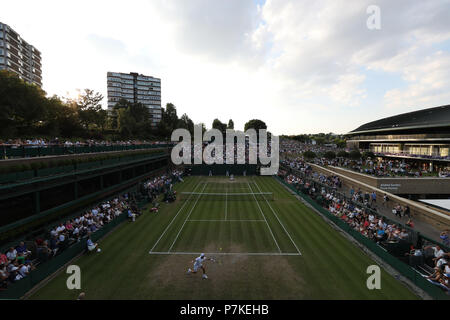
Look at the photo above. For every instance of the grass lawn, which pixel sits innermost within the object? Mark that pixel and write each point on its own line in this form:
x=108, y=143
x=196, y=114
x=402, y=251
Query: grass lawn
x=276, y=249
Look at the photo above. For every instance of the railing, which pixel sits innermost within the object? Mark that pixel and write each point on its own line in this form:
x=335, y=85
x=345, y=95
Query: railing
x=12, y=152
x=404, y=137
x=11, y=177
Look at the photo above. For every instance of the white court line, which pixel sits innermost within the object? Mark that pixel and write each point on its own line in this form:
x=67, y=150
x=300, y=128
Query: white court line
x=176, y=238
x=279, y=220
x=172, y=221
x=264, y=218
x=226, y=220
x=226, y=195
x=227, y=253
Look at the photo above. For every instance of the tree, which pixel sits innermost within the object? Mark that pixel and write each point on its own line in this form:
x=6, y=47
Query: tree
x=60, y=119
x=89, y=107
x=170, y=116
x=309, y=155
x=355, y=155
x=131, y=119
x=169, y=121
x=368, y=155
x=217, y=124
x=186, y=123
x=257, y=125
x=21, y=105
x=330, y=155
x=230, y=124
x=203, y=127
x=126, y=122
x=320, y=140
x=343, y=154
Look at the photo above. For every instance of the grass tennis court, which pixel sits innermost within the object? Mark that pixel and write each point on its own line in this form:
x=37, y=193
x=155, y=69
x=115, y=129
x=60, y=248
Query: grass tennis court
x=264, y=248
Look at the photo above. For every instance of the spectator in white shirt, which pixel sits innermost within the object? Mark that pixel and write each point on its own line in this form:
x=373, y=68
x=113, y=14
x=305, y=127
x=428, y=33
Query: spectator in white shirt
x=11, y=254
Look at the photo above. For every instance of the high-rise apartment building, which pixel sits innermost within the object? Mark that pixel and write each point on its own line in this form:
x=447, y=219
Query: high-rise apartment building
x=18, y=56
x=136, y=88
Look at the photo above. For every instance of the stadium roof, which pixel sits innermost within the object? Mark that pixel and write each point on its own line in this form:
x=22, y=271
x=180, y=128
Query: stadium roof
x=426, y=118
x=440, y=203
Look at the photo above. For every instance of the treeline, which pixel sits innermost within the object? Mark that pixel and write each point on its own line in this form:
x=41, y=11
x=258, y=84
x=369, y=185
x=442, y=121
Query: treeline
x=330, y=155
x=26, y=111
x=320, y=139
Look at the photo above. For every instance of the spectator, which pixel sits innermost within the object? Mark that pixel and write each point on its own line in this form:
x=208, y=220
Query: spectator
x=91, y=245
x=11, y=254
x=22, y=248
x=438, y=252
x=407, y=212
x=445, y=239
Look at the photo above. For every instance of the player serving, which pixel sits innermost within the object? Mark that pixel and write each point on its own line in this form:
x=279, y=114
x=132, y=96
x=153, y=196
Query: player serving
x=198, y=264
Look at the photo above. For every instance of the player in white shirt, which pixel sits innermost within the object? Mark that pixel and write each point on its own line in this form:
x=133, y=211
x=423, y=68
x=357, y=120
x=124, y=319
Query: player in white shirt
x=198, y=264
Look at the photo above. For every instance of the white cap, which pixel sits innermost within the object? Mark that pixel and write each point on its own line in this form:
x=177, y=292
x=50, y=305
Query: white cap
x=202, y=255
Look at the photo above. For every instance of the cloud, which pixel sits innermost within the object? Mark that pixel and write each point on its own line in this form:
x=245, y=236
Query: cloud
x=428, y=81
x=216, y=30
x=301, y=66
x=106, y=45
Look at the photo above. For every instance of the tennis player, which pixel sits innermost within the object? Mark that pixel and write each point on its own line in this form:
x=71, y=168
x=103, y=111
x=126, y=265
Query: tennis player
x=198, y=264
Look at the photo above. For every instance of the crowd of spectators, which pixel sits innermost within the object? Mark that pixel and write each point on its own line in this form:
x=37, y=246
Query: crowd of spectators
x=375, y=166
x=161, y=185
x=413, y=155
x=41, y=142
x=231, y=151
x=295, y=148
x=383, y=167
x=18, y=261
x=359, y=211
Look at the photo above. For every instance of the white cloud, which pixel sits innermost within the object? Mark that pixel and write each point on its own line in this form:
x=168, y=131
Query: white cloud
x=428, y=82
x=298, y=65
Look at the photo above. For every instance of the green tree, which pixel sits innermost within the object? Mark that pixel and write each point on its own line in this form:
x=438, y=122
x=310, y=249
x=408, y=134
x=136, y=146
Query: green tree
x=368, y=155
x=217, y=124
x=89, y=108
x=343, y=154
x=126, y=122
x=60, y=119
x=186, y=123
x=169, y=121
x=255, y=124
x=309, y=155
x=230, y=124
x=355, y=155
x=21, y=105
x=330, y=155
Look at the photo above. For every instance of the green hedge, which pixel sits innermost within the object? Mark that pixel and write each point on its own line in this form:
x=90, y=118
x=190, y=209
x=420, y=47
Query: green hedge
x=13, y=173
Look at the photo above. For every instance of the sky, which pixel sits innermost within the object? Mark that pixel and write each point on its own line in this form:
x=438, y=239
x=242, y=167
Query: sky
x=300, y=66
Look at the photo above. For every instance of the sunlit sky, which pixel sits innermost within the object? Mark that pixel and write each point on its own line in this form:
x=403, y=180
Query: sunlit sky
x=300, y=66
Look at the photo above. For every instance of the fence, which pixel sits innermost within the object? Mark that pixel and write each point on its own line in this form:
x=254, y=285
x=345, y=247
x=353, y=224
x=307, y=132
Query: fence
x=33, y=151
x=34, y=221
x=222, y=169
x=19, y=288
x=403, y=268
x=11, y=177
